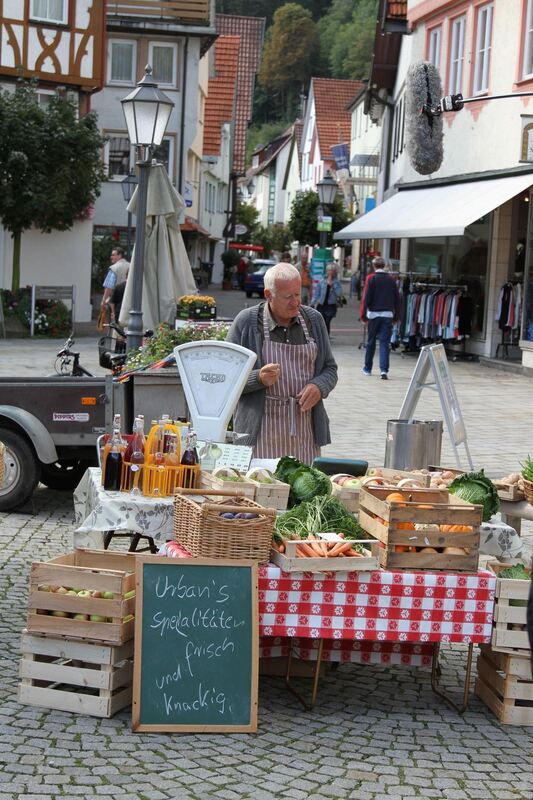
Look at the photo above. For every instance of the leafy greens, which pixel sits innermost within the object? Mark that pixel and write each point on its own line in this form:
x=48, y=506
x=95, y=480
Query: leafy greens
x=475, y=487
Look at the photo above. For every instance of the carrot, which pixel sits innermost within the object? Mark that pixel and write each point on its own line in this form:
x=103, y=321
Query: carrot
x=353, y=552
x=306, y=550
x=340, y=548
x=317, y=548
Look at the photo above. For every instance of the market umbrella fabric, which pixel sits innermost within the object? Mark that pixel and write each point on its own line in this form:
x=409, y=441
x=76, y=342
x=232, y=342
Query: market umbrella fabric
x=167, y=270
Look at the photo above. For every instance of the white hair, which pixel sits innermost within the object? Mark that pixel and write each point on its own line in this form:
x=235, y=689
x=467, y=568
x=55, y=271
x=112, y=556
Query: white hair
x=280, y=272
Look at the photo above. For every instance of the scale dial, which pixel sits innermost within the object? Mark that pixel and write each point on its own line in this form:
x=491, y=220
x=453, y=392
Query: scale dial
x=213, y=374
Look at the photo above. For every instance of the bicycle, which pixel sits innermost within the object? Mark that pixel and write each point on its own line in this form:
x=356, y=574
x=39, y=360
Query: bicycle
x=67, y=363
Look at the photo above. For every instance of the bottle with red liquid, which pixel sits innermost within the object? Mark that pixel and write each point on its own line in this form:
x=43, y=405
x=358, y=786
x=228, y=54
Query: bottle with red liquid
x=190, y=459
x=114, y=458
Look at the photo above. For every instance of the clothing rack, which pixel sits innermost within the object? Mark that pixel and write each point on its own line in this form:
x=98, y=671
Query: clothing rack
x=455, y=355
x=507, y=342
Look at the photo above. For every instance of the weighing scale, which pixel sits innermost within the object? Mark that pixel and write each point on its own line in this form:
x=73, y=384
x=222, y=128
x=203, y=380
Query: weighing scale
x=213, y=375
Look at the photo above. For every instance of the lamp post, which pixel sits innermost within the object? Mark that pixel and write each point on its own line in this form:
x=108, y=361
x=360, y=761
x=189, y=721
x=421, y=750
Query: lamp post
x=327, y=190
x=128, y=186
x=146, y=110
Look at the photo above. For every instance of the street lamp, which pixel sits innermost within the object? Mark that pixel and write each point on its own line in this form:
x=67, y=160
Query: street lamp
x=327, y=191
x=128, y=187
x=147, y=111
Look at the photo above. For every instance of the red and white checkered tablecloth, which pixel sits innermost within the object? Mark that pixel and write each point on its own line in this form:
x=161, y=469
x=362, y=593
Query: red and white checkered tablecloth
x=377, y=606
x=348, y=650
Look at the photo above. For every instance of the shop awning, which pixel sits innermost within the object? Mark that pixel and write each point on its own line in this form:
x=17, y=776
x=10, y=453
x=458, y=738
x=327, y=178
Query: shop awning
x=435, y=211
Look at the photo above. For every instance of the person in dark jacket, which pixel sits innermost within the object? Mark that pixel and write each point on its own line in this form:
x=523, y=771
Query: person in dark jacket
x=380, y=308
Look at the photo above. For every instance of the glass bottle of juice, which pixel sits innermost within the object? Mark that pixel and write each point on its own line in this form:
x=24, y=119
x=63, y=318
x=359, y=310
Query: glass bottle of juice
x=137, y=454
x=113, y=461
x=107, y=445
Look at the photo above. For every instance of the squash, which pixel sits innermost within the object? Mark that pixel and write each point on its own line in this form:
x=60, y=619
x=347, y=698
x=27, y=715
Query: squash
x=395, y=497
x=454, y=551
x=456, y=528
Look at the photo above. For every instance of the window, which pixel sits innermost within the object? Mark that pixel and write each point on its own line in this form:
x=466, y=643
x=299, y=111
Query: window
x=122, y=55
x=457, y=54
x=117, y=156
x=163, y=58
x=165, y=155
x=527, y=66
x=434, y=46
x=49, y=11
x=482, y=52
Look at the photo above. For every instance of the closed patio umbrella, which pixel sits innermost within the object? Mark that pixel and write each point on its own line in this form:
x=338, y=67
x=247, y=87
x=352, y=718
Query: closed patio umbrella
x=167, y=270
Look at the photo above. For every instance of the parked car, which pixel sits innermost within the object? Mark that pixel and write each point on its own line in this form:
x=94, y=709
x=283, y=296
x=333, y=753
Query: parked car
x=254, y=281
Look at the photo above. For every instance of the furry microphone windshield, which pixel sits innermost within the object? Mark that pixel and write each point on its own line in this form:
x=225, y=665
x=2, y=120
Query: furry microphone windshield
x=423, y=130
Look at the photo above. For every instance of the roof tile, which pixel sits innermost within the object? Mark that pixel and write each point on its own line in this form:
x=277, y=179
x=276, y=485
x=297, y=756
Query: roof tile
x=333, y=120
x=221, y=92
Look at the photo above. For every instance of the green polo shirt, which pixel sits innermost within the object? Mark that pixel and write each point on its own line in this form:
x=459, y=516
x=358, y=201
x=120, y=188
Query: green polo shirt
x=292, y=334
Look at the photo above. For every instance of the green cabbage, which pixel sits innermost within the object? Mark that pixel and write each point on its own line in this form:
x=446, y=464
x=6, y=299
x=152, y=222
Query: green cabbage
x=307, y=482
x=476, y=488
x=285, y=468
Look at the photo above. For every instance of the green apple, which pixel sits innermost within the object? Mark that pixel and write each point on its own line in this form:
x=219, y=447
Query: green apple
x=84, y=617
x=71, y=591
x=59, y=614
x=352, y=483
x=129, y=594
x=84, y=593
x=44, y=588
x=97, y=618
x=61, y=590
x=108, y=595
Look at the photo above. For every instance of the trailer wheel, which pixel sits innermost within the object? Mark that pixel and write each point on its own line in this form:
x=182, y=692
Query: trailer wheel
x=63, y=475
x=21, y=471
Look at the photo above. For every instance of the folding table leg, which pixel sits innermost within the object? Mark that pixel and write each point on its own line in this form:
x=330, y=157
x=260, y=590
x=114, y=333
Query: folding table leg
x=435, y=671
x=316, y=676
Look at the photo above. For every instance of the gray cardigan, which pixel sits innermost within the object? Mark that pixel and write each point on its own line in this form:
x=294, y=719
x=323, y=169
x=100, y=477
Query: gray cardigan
x=250, y=408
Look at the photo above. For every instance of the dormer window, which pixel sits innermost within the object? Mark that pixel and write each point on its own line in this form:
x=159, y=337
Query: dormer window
x=54, y=11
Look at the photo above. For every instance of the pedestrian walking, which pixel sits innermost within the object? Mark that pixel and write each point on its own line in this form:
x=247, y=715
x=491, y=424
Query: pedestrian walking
x=327, y=293
x=380, y=308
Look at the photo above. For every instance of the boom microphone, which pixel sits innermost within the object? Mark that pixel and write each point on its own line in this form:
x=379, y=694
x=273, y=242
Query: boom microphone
x=423, y=93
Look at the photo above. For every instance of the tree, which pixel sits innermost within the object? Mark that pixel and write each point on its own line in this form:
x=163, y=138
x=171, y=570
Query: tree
x=248, y=215
x=347, y=38
x=288, y=58
x=267, y=8
x=274, y=238
x=304, y=213
x=50, y=165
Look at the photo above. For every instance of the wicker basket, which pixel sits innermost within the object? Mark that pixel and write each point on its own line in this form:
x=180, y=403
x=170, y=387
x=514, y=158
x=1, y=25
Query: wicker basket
x=528, y=490
x=204, y=533
x=2, y=468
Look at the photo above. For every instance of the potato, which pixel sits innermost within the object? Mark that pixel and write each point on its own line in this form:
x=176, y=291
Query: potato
x=454, y=551
x=428, y=550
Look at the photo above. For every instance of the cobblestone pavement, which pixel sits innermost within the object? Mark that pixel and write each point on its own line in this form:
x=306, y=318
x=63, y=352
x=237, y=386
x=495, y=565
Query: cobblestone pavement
x=375, y=733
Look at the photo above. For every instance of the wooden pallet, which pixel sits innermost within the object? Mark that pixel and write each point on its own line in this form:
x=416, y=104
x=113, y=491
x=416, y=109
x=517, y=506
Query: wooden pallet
x=83, y=677
x=509, y=633
x=509, y=696
x=93, y=570
x=403, y=547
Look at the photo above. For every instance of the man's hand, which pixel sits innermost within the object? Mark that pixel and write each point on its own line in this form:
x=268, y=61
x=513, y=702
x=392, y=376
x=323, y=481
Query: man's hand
x=269, y=374
x=309, y=396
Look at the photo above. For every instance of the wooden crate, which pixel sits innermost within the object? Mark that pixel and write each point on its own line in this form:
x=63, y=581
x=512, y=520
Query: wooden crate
x=97, y=570
x=509, y=696
x=395, y=475
x=290, y=562
x=509, y=492
x=348, y=496
x=245, y=488
x=391, y=523
x=506, y=636
x=82, y=677
x=271, y=495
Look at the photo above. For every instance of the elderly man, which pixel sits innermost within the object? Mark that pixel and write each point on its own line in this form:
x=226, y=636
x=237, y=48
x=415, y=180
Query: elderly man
x=280, y=411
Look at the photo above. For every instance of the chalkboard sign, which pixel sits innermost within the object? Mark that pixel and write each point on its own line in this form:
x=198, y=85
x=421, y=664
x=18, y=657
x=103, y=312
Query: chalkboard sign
x=196, y=645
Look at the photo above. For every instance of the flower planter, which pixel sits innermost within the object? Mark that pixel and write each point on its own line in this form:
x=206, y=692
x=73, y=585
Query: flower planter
x=196, y=312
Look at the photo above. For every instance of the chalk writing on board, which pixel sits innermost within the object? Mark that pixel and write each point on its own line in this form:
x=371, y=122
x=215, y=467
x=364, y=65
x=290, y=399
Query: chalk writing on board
x=197, y=652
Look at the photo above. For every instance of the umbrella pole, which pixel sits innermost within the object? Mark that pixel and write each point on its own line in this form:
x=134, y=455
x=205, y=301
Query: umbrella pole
x=135, y=322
